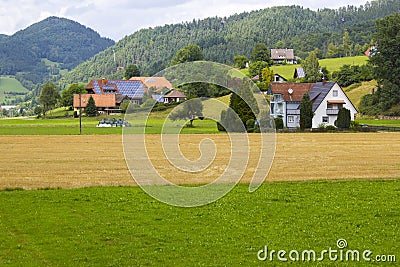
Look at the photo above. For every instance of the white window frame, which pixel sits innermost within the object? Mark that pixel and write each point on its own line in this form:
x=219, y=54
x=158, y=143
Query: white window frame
x=290, y=119
x=335, y=93
x=327, y=119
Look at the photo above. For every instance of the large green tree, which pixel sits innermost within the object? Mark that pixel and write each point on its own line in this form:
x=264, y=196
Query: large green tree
x=256, y=68
x=306, y=113
x=240, y=61
x=67, y=96
x=243, y=104
x=260, y=53
x=311, y=68
x=131, y=71
x=387, y=63
x=191, y=110
x=49, y=97
x=187, y=54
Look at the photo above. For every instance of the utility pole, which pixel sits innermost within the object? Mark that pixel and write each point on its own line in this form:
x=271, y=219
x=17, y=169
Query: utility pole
x=80, y=114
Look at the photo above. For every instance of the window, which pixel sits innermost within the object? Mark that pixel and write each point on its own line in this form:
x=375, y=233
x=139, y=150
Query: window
x=290, y=119
x=277, y=98
x=335, y=93
x=325, y=119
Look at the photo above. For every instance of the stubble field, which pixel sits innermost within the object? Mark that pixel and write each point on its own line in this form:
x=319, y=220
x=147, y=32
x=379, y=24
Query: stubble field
x=32, y=162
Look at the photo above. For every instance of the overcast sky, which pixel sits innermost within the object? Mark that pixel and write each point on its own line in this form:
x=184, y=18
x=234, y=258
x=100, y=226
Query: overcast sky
x=117, y=18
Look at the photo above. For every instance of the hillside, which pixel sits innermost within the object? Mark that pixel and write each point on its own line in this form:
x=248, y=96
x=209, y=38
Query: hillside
x=10, y=88
x=356, y=91
x=64, y=42
x=223, y=38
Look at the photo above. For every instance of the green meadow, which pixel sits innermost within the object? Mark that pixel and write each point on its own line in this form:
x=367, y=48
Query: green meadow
x=122, y=226
x=8, y=86
x=332, y=64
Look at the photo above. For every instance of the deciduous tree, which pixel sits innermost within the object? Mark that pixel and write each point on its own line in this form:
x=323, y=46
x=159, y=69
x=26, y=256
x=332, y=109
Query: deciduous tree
x=67, y=96
x=49, y=97
x=191, y=110
x=131, y=71
x=311, y=68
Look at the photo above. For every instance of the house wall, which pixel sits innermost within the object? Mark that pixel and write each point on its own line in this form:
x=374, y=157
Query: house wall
x=321, y=110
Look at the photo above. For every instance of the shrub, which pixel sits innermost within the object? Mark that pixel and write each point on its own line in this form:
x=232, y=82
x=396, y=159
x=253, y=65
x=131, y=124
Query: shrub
x=250, y=125
x=343, y=119
x=278, y=123
x=330, y=128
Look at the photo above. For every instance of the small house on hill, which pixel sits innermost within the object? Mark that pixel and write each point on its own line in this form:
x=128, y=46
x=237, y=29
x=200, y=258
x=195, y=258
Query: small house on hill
x=279, y=56
x=174, y=96
x=327, y=98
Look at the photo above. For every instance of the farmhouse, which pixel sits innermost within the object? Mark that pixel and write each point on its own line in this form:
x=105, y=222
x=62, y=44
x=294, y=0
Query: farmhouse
x=134, y=90
x=279, y=56
x=327, y=98
x=106, y=103
x=109, y=94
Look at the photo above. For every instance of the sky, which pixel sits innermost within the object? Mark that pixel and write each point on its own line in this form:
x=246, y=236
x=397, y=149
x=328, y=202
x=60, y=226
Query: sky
x=117, y=18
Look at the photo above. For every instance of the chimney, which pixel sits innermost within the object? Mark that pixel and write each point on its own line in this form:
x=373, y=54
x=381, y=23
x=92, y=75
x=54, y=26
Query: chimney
x=323, y=80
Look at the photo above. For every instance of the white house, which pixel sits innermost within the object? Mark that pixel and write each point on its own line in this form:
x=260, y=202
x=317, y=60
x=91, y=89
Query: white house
x=327, y=98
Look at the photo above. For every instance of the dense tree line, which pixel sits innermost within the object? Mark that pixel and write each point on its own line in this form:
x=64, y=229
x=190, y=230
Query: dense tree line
x=221, y=39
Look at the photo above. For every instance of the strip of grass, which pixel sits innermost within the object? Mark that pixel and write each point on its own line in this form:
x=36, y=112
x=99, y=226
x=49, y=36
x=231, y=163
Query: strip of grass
x=389, y=123
x=125, y=227
x=70, y=126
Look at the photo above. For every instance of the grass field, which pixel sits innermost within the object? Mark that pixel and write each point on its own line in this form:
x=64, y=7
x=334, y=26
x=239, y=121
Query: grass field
x=98, y=160
x=10, y=84
x=332, y=64
x=122, y=226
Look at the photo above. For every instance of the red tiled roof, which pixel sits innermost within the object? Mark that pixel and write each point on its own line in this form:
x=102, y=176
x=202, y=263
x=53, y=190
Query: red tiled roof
x=101, y=101
x=298, y=90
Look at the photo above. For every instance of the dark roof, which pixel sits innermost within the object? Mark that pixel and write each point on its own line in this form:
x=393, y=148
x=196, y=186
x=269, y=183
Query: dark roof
x=158, y=98
x=318, y=93
x=132, y=89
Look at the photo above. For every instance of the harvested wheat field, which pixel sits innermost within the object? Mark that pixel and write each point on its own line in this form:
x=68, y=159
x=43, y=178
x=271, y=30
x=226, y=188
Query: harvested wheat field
x=80, y=161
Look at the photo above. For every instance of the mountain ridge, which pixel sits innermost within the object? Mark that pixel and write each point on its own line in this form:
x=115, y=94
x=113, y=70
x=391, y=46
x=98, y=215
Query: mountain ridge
x=221, y=38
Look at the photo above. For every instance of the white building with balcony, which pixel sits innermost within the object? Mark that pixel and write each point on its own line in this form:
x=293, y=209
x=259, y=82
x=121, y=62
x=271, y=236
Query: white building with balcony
x=327, y=98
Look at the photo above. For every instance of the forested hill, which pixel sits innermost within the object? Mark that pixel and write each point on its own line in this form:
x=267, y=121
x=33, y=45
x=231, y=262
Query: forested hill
x=64, y=42
x=223, y=38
